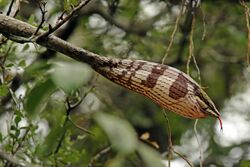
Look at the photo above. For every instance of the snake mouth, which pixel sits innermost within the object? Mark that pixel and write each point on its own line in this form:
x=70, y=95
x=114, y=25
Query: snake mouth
x=215, y=113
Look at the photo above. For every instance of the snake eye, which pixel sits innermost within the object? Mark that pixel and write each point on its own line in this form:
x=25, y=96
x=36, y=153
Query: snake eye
x=206, y=104
x=201, y=103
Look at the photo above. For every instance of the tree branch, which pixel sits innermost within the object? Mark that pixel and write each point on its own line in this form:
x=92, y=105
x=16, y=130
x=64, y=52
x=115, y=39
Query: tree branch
x=60, y=23
x=10, y=26
x=140, y=27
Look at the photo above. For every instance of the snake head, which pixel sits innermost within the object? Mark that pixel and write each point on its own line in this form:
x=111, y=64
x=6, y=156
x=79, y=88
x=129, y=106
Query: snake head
x=206, y=104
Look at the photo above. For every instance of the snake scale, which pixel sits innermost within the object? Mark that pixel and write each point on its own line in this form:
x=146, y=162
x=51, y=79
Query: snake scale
x=165, y=85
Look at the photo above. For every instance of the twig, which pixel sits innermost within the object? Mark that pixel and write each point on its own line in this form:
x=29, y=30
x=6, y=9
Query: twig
x=14, y=160
x=140, y=27
x=199, y=144
x=98, y=155
x=197, y=68
x=76, y=105
x=42, y=7
x=81, y=128
x=34, y=37
x=2, y=63
x=204, y=24
x=17, y=8
x=170, y=145
x=17, y=38
x=20, y=143
x=183, y=157
x=69, y=108
x=14, y=13
x=173, y=34
x=191, y=50
x=82, y=98
x=10, y=7
x=60, y=23
x=247, y=14
x=191, y=45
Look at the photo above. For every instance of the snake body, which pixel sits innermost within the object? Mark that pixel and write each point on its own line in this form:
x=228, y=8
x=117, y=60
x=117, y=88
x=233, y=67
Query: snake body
x=167, y=86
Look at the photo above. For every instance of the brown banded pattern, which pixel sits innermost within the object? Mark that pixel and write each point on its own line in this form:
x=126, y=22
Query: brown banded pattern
x=167, y=86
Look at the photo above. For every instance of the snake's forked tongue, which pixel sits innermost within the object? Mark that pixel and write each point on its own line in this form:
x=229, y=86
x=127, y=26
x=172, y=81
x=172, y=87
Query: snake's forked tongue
x=221, y=128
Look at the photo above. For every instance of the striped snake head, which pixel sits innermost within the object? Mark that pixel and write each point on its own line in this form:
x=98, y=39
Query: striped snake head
x=206, y=105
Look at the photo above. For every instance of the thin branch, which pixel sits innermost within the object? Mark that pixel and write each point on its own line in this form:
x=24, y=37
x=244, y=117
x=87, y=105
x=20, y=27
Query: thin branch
x=42, y=7
x=14, y=160
x=18, y=39
x=17, y=8
x=76, y=105
x=99, y=155
x=68, y=110
x=199, y=144
x=170, y=147
x=21, y=142
x=60, y=23
x=173, y=34
x=198, y=69
x=69, y=107
x=2, y=64
x=81, y=128
x=247, y=14
x=203, y=23
x=10, y=7
x=72, y=107
x=191, y=44
x=139, y=27
x=183, y=157
x=14, y=13
x=59, y=144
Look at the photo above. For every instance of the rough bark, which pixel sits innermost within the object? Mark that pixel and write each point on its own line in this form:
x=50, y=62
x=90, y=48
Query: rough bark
x=12, y=26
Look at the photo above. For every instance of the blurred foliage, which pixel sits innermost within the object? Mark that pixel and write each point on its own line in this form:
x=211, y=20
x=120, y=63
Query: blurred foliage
x=57, y=112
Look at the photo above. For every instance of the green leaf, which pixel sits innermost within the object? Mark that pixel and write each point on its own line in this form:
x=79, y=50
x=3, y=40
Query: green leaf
x=150, y=156
x=120, y=132
x=244, y=163
x=12, y=127
x=3, y=90
x=26, y=47
x=38, y=96
x=10, y=65
x=22, y=63
x=17, y=133
x=118, y=161
x=31, y=19
x=17, y=120
x=1, y=137
x=39, y=68
x=18, y=113
x=51, y=141
x=70, y=76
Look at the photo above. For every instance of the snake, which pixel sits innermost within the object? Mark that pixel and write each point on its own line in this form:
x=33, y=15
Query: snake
x=167, y=86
